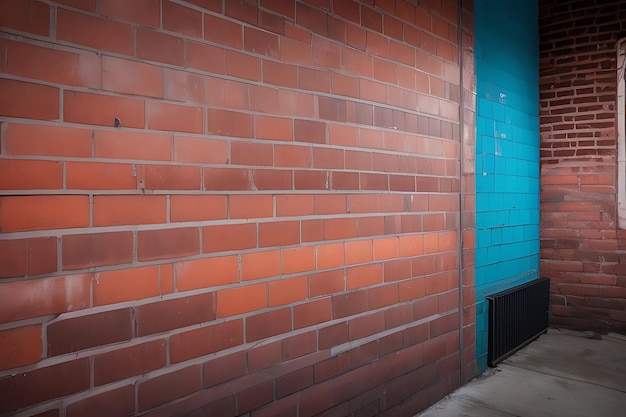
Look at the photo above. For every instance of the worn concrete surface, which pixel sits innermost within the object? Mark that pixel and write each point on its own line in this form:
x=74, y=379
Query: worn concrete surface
x=563, y=373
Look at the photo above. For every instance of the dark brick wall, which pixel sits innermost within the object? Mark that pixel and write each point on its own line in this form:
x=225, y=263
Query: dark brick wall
x=581, y=244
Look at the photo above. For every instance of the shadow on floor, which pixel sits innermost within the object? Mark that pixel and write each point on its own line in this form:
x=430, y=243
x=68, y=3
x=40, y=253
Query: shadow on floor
x=563, y=373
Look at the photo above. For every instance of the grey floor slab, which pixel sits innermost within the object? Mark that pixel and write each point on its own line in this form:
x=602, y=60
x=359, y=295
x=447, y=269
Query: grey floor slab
x=560, y=374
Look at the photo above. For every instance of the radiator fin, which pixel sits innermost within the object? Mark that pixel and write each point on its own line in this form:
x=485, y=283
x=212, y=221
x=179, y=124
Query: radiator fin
x=516, y=317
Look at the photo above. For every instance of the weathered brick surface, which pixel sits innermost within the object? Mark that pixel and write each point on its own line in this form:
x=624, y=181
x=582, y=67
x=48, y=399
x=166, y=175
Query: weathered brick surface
x=581, y=244
x=222, y=207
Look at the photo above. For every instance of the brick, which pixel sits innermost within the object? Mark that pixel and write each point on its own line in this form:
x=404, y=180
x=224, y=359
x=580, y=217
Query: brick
x=205, y=340
x=299, y=345
x=222, y=31
x=230, y=123
x=172, y=177
x=173, y=117
x=260, y=265
x=326, y=283
x=223, y=369
x=20, y=213
x=121, y=144
x=223, y=238
x=139, y=78
x=87, y=108
x=273, y=128
x=294, y=205
x=167, y=387
x=349, y=304
x=183, y=86
x=294, y=381
x=207, y=58
x=260, y=42
x=272, y=179
x=315, y=80
x=155, y=46
x=333, y=335
x=299, y=259
x=200, y=150
x=20, y=346
x=118, y=401
x=292, y=156
x=69, y=68
x=197, y=207
x=115, y=210
x=24, y=257
x=383, y=296
x=207, y=272
x=284, y=8
x=277, y=73
x=99, y=176
x=339, y=228
x=27, y=174
x=240, y=300
x=94, y=32
x=312, y=313
x=28, y=100
x=75, y=334
x=264, y=355
x=182, y=20
x=26, y=16
x=364, y=326
x=129, y=361
x=255, y=397
x=22, y=139
x=264, y=325
x=252, y=154
x=89, y=250
x=39, y=385
x=137, y=283
x=250, y=206
x=330, y=255
x=279, y=233
x=358, y=252
x=311, y=180
x=143, y=12
x=36, y=298
x=167, y=243
x=243, y=66
x=287, y=291
x=363, y=276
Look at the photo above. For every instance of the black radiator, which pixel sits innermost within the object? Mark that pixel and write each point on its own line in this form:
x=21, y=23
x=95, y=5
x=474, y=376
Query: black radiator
x=516, y=317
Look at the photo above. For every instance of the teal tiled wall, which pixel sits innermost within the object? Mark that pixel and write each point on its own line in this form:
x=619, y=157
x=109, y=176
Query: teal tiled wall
x=507, y=151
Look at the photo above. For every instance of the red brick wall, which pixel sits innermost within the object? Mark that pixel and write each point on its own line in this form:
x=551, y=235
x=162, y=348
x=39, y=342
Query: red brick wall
x=581, y=243
x=274, y=226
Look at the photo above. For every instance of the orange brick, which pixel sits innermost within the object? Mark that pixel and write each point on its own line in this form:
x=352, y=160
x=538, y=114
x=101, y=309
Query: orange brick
x=358, y=252
x=156, y=46
x=330, y=255
x=102, y=110
x=206, y=272
x=260, y=265
x=277, y=73
x=294, y=205
x=250, y=153
x=20, y=346
x=94, y=32
x=287, y=291
x=172, y=177
x=260, y=42
x=81, y=68
x=112, y=287
x=99, y=176
x=122, y=144
x=431, y=243
x=206, y=58
x=167, y=278
x=27, y=100
x=251, y=206
x=51, y=140
x=167, y=243
x=386, y=248
x=279, y=233
x=182, y=20
x=411, y=245
x=187, y=208
x=363, y=276
x=298, y=259
x=19, y=213
x=139, y=78
x=324, y=283
x=229, y=237
x=339, y=229
x=330, y=204
x=174, y=117
x=229, y=123
x=292, y=156
x=183, y=86
x=273, y=128
x=117, y=210
x=30, y=175
x=240, y=300
x=200, y=150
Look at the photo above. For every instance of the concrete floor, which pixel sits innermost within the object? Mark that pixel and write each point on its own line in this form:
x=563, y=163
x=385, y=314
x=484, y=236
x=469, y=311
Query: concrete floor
x=563, y=373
